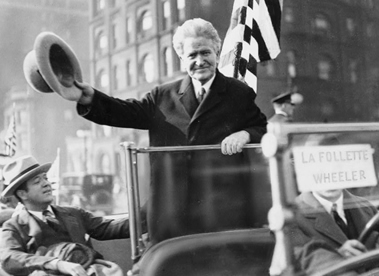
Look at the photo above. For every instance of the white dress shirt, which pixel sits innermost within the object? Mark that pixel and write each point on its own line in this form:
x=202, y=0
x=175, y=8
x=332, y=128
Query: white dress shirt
x=197, y=86
x=328, y=205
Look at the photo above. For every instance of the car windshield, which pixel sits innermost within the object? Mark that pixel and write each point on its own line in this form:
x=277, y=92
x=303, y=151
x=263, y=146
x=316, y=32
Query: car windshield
x=327, y=181
x=325, y=63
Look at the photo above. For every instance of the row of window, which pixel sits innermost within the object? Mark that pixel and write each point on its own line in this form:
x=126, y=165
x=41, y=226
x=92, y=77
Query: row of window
x=137, y=27
x=126, y=77
x=326, y=68
x=321, y=24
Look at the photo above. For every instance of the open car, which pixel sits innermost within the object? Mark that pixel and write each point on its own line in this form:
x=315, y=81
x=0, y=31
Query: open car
x=188, y=236
x=309, y=158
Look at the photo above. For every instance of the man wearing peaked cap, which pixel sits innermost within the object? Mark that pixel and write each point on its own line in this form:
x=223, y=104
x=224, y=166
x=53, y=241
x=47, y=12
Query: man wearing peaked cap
x=284, y=106
x=40, y=237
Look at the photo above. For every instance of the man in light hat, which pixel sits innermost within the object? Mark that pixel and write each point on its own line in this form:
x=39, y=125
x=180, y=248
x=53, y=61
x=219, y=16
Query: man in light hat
x=34, y=240
x=284, y=107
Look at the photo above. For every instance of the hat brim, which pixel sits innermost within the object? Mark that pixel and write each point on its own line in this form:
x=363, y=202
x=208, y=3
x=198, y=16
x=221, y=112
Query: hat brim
x=33, y=76
x=58, y=65
x=282, y=98
x=13, y=185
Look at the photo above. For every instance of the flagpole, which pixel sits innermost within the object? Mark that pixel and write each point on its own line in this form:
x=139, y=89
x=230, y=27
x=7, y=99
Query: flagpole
x=10, y=139
x=58, y=175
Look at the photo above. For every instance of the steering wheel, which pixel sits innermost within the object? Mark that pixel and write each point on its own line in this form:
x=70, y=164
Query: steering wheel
x=368, y=260
x=372, y=225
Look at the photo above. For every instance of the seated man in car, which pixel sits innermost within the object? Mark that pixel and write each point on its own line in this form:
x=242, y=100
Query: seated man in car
x=334, y=218
x=44, y=239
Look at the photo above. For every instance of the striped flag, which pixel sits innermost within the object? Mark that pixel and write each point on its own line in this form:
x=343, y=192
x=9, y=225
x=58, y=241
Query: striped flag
x=253, y=37
x=10, y=139
x=53, y=175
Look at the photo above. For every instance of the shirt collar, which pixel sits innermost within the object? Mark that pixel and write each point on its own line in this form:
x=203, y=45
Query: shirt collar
x=39, y=215
x=328, y=205
x=281, y=113
x=197, y=85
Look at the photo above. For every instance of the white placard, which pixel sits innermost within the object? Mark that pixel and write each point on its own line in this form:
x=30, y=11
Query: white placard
x=334, y=167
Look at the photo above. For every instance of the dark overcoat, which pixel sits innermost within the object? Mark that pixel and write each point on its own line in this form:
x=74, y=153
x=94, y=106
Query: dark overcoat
x=197, y=191
x=21, y=236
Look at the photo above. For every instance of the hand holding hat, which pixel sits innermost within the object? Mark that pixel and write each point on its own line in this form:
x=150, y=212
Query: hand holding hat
x=87, y=93
x=53, y=67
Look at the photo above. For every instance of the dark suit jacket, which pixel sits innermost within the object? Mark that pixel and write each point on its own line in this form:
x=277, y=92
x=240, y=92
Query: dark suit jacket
x=21, y=236
x=198, y=191
x=171, y=113
x=315, y=222
x=315, y=235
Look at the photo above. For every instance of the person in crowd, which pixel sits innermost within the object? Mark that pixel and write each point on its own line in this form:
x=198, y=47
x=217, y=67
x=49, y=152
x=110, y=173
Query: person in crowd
x=43, y=238
x=284, y=107
x=203, y=108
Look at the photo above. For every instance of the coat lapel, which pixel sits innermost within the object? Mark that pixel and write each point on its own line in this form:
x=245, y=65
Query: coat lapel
x=30, y=226
x=70, y=223
x=213, y=97
x=187, y=96
x=323, y=222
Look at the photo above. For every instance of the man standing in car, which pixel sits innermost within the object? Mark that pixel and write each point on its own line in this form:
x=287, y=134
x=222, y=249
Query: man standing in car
x=204, y=108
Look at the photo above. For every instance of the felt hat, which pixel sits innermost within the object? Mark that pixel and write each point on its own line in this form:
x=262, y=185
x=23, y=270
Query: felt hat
x=32, y=74
x=55, y=61
x=289, y=97
x=20, y=170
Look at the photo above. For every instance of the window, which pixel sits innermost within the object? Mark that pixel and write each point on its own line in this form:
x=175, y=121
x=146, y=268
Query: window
x=105, y=164
x=325, y=68
x=167, y=61
x=181, y=5
x=128, y=28
x=166, y=14
x=353, y=71
x=98, y=6
x=114, y=35
x=128, y=71
x=147, y=68
x=101, y=43
x=350, y=26
x=115, y=77
x=270, y=69
x=102, y=80
x=370, y=30
x=321, y=25
x=370, y=4
x=145, y=23
x=291, y=64
x=288, y=15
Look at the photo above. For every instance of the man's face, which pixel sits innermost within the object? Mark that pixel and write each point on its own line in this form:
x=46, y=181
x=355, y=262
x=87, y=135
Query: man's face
x=331, y=195
x=288, y=108
x=38, y=194
x=200, y=58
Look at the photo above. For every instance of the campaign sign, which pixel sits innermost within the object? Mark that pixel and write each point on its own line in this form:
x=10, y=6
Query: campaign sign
x=334, y=167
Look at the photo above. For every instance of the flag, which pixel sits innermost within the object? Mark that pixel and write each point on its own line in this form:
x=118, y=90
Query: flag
x=10, y=139
x=53, y=175
x=253, y=36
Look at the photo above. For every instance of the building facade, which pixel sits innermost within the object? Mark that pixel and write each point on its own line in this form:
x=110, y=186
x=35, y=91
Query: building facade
x=328, y=55
x=330, y=48
x=42, y=120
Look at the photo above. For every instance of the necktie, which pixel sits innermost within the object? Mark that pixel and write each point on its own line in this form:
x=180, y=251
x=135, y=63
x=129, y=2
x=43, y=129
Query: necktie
x=339, y=220
x=51, y=220
x=201, y=95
